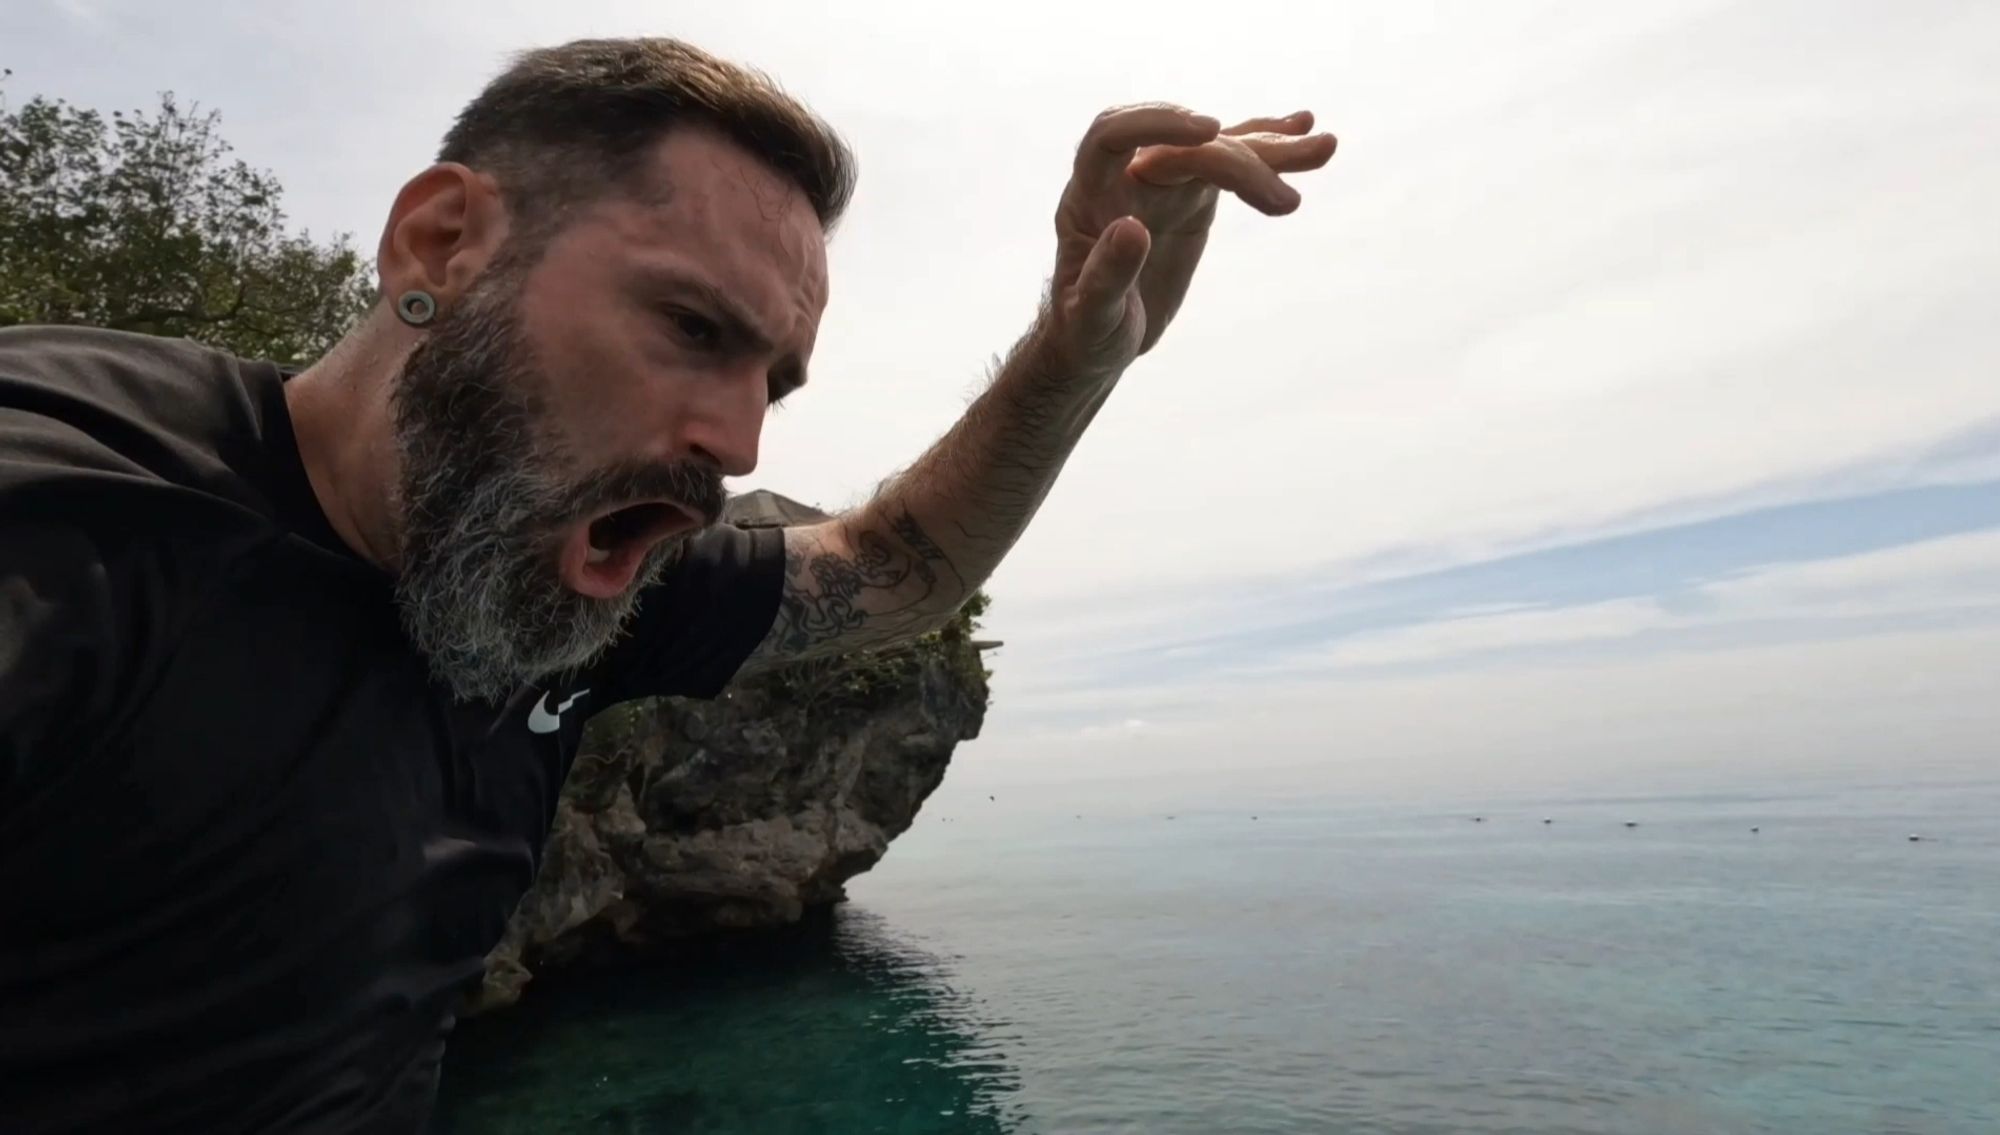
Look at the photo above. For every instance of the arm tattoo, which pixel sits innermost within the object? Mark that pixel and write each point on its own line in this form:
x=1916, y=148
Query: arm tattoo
x=886, y=586
x=919, y=541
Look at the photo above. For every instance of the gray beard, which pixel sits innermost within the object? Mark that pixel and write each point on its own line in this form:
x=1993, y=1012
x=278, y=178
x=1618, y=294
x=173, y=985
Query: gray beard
x=484, y=499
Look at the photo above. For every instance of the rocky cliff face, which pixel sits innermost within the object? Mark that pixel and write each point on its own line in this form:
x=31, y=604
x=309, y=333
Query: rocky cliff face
x=686, y=816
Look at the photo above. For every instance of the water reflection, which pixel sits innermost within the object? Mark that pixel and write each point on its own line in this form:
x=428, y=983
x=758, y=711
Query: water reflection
x=837, y=1025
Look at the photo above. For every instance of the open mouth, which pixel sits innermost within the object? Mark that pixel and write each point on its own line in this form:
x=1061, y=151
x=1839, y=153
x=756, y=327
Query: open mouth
x=602, y=556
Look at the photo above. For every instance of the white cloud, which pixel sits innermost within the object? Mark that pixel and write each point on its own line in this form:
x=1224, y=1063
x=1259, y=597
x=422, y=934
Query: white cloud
x=1935, y=575
x=1900, y=703
x=1448, y=638
x=1125, y=728
x=1948, y=574
x=84, y=13
x=1431, y=690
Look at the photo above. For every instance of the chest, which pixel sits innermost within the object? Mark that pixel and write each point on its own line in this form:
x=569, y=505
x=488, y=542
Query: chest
x=286, y=763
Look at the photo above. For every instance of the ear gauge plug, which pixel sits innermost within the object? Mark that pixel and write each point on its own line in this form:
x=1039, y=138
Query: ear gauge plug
x=416, y=307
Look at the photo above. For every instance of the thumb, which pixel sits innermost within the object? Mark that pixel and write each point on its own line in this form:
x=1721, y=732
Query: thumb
x=1108, y=274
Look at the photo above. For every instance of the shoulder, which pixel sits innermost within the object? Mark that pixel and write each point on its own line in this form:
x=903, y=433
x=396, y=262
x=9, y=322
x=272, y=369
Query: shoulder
x=175, y=383
x=84, y=410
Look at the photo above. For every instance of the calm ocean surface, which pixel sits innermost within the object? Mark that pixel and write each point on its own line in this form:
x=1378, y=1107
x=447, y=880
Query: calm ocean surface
x=1016, y=968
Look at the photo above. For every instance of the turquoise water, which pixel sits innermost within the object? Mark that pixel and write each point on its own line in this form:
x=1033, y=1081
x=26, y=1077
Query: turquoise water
x=1015, y=967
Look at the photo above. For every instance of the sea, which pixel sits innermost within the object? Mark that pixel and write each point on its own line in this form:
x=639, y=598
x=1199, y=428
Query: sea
x=1716, y=959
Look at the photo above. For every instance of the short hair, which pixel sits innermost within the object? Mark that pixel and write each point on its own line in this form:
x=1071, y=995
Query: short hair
x=565, y=126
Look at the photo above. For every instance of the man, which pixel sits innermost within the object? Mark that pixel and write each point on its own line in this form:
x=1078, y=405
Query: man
x=292, y=666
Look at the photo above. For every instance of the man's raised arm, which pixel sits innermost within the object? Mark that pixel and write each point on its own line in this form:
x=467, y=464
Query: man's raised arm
x=1130, y=230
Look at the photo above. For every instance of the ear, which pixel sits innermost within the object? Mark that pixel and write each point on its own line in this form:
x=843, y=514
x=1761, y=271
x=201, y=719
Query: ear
x=446, y=226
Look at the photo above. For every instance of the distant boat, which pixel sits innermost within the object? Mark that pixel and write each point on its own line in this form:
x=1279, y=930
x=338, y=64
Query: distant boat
x=1916, y=838
x=1753, y=831
x=1478, y=819
x=1548, y=821
x=1631, y=823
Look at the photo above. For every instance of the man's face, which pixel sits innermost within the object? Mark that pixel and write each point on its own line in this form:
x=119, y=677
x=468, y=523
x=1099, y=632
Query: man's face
x=567, y=423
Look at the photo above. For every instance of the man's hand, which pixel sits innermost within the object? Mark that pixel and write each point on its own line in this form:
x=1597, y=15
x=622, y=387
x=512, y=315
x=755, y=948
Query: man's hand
x=1134, y=219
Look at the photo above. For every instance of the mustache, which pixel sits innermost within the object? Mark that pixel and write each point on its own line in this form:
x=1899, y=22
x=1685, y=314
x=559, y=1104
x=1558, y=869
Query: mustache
x=694, y=484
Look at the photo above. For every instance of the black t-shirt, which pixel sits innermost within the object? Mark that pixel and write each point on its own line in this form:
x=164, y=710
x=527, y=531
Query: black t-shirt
x=250, y=854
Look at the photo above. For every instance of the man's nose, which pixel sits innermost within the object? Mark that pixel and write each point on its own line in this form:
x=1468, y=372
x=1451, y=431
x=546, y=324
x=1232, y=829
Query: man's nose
x=724, y=428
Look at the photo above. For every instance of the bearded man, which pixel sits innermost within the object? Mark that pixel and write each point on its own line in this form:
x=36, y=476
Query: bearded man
x=293, y=665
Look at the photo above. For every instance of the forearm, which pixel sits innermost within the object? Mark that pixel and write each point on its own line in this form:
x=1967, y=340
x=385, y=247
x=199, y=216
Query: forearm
x=932, y=534
x=967, y=500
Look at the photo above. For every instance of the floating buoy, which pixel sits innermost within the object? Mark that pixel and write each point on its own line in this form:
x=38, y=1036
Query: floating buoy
x=1478, y=819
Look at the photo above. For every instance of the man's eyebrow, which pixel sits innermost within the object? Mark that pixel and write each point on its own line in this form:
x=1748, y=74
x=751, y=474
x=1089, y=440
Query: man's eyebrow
x=740, y=325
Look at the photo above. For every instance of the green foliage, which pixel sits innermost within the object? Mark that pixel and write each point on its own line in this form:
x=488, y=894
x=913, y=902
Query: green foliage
x=970, y=614
x=144, y=223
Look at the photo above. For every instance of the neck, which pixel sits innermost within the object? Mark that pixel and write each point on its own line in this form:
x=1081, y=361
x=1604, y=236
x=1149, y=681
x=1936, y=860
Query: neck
x=341, y=413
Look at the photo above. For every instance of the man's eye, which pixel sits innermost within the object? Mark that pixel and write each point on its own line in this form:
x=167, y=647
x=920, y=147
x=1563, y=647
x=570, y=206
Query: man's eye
x=696, y=329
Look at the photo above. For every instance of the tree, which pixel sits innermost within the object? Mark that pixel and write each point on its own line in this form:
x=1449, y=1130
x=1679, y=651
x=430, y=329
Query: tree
x=145, y=223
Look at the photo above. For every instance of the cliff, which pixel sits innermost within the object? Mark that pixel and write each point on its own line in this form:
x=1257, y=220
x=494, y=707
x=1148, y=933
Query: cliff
x=684, y=816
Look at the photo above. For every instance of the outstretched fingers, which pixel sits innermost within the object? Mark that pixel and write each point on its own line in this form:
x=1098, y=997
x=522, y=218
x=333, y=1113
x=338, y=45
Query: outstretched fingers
x=1246, y=159
x=1228, y=164
x=1117, y=133
x=1297, y=122
x=1292, y=155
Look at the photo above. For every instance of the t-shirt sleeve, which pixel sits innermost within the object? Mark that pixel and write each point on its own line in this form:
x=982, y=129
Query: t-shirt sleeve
x=59, y=651
x=697, y=626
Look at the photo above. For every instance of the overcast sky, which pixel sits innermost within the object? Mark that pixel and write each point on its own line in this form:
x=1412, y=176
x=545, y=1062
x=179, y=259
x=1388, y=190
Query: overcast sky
x=1626, y=395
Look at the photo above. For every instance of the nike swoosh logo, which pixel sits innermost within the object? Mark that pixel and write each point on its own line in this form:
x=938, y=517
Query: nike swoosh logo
x=542, y=719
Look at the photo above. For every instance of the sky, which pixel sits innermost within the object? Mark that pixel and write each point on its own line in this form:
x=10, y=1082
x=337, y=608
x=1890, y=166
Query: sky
x=1624, y=399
